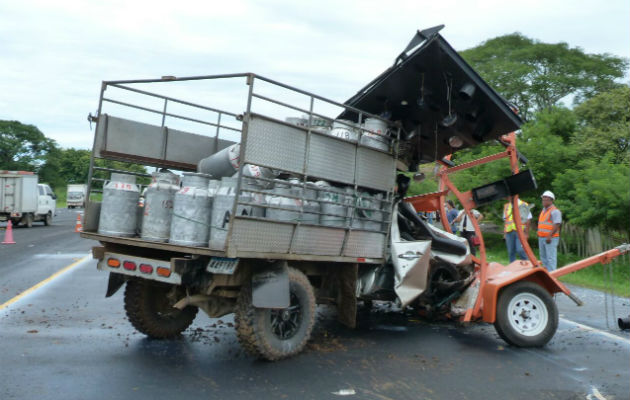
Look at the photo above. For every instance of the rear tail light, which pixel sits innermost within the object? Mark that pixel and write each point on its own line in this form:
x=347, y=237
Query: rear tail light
x=114, y=263
x=146, y=268
x=130, y=266
x=165, y=272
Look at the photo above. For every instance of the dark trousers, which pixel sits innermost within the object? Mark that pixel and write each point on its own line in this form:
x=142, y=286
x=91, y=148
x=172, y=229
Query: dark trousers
x=469, y=235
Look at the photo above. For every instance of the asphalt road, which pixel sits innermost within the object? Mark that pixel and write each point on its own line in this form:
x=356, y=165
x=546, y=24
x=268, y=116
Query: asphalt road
x=64, y=340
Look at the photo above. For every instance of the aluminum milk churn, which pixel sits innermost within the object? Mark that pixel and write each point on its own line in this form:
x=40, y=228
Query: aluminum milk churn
x=222, y=207
x=222, y=163
x=278, y=198
x=158, y=206
x=119, y=207
x=333, y=203
x=345, y=129
x=190, y=225
x=375, y=134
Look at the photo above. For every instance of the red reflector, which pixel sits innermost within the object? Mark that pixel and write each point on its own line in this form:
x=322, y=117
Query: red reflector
x=165, y=272
x=130, y=266
x=360, y=259
x=146, y=268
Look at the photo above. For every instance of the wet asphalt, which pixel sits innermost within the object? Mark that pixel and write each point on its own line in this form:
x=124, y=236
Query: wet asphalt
x=65, y=340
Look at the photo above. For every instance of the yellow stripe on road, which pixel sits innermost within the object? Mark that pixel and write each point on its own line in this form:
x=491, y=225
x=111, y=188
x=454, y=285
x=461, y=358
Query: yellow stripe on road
x=42, y=283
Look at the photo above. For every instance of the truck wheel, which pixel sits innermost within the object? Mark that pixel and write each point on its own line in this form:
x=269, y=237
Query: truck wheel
x=274, y=334
x=526, y=315
x=150, y=309
x=48, y=219
x=28, y=220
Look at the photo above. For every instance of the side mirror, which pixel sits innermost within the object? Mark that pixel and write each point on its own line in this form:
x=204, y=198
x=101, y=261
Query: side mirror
x=53, y=196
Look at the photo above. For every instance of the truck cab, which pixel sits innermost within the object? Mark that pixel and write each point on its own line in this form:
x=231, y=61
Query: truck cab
x=46, y=203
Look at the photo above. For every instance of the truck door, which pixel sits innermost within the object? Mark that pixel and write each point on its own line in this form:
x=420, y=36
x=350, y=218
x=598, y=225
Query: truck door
x=51, y=202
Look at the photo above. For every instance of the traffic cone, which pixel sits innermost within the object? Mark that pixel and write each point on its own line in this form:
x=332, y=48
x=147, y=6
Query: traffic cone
x=8, y=234
x=78, y=227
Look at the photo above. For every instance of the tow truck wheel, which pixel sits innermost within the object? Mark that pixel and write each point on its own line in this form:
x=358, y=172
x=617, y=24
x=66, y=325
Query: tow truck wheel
x=274, y=334
x=150, y=309
x=527, y=316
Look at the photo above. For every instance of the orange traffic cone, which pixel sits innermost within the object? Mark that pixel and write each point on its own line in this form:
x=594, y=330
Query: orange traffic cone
x=78, y=227
x=8, y=234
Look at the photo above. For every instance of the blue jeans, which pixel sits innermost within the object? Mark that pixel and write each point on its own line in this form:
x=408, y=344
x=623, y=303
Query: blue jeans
x=514, y=246
x=549, y=252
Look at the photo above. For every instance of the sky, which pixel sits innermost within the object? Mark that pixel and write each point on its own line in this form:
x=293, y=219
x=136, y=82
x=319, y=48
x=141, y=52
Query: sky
x=54, y=55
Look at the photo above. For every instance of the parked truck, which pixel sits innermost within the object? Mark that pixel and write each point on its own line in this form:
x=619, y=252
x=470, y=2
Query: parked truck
x=76, y=195
x=23, y=200
x=274, y=216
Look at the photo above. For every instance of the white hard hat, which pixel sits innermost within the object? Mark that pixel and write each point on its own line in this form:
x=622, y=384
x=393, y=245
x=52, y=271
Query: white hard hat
x=548, y=193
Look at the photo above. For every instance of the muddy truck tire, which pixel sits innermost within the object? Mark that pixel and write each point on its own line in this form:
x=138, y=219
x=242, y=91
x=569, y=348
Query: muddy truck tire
x=526, y=316
x=273, y=334
x=150, y=310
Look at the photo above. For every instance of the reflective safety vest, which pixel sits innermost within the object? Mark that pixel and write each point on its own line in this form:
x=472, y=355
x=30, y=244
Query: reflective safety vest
x=509, y=224
x=545, y=226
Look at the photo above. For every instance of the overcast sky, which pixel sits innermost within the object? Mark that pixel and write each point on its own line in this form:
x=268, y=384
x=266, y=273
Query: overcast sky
x=53, y=55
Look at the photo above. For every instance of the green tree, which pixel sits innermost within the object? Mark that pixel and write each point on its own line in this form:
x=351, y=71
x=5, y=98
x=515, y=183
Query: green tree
x=596, y=193
x=604, y=125
x=22, y=147
x=536, y=76
x=546, y=142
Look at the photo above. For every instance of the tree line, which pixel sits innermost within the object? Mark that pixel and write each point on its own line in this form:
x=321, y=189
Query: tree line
x=24, y=147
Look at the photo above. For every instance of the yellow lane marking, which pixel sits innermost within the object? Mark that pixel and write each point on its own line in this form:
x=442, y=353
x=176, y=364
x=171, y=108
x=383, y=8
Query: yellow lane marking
x=42, y=283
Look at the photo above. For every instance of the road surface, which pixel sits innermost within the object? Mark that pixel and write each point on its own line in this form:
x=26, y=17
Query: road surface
x=64, y=340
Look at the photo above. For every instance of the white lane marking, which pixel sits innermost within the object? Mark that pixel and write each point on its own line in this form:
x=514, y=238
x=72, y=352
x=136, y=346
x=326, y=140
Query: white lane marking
x=595, y=330
x=59, y=256
x=45, y=281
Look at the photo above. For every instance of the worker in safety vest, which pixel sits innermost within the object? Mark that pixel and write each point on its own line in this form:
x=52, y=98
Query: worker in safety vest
x=549, y=231
x=510, y=235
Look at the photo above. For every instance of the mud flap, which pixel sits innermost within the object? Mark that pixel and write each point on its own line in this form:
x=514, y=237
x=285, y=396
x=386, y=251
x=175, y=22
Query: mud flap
x=270, y=286
x=347, y=276
x=115, y=282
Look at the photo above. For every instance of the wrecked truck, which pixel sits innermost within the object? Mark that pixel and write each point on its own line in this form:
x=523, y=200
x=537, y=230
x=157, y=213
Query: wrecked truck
x=263, y=216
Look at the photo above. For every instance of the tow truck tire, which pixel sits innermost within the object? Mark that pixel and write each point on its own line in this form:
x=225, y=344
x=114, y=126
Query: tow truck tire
x=150, y=310
x=526, y=316
x=273, y=334
x=48, y=219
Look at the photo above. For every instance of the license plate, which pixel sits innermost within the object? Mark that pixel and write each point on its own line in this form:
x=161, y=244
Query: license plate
x=222, y=265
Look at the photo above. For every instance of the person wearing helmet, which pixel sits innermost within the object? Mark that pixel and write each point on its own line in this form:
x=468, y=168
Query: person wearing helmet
x=549, y=223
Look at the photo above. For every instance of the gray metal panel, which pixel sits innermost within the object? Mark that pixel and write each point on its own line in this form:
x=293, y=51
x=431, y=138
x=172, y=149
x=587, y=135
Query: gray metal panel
x=275, y=145
x=318, y=241
x=364, y=244
x=330, y=158
x=131, y=137
x=190, y=148
x=375, y=170
x=139, y=140
x=260, y=236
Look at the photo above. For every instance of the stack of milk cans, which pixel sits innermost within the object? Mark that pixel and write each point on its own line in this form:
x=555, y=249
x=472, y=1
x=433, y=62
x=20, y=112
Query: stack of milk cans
x=195, y=210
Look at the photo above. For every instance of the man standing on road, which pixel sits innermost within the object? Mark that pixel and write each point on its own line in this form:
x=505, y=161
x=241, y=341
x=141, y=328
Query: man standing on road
x=467, y=228
x=510, y=235
x=451, y=214
x=549, y=231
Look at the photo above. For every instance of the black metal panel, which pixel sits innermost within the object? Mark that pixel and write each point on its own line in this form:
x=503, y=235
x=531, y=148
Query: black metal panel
x=435, y=94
